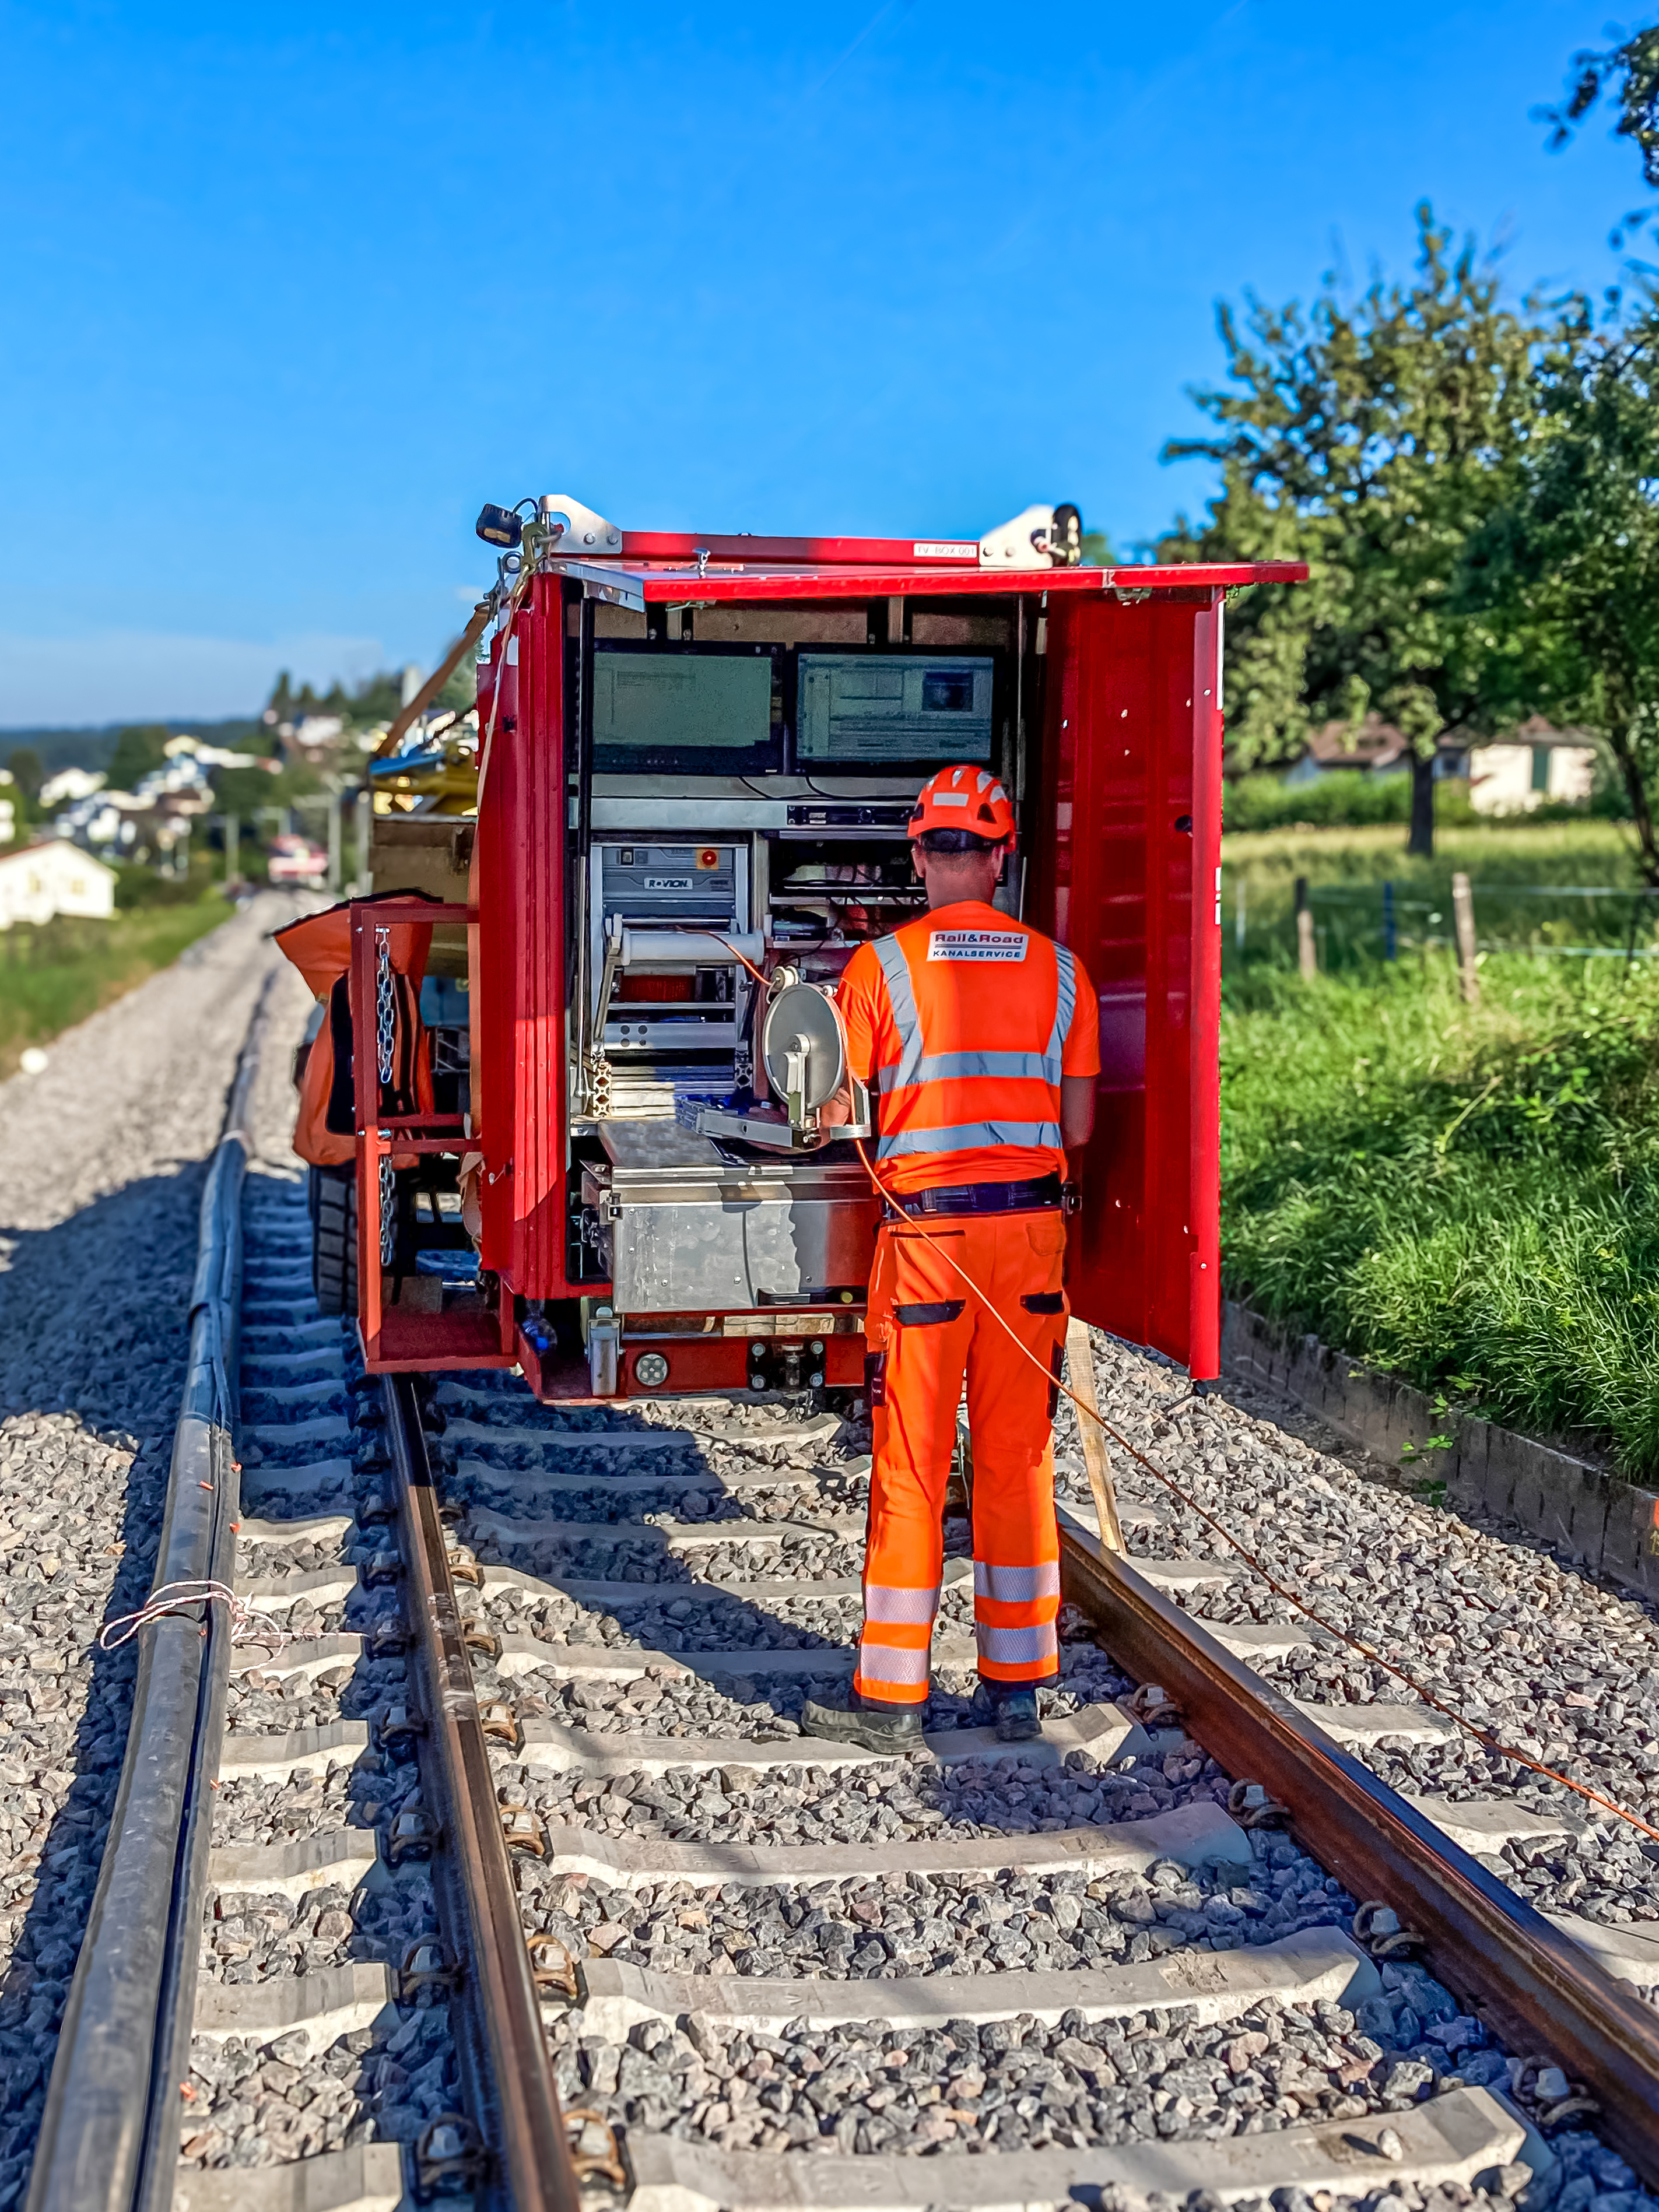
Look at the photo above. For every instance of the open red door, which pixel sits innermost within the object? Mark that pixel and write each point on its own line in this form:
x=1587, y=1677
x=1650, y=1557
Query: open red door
x=1131, y=754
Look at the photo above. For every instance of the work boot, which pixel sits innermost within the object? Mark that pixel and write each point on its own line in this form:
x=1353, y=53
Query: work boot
x=1009, y=1708
x=889, y=1729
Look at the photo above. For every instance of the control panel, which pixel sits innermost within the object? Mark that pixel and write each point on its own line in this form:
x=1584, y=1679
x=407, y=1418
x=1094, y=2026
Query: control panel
x=676, y=883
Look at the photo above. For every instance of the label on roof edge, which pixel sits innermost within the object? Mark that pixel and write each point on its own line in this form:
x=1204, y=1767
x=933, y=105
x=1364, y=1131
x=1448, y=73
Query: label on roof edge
x=940, y=549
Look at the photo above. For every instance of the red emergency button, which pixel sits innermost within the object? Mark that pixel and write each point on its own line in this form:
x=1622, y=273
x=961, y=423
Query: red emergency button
x=709, y=857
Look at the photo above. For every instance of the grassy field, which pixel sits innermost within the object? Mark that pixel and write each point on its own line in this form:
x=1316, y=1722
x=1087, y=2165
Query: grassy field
x=55, y=974
x=1468, y=1196
x=1515, y=873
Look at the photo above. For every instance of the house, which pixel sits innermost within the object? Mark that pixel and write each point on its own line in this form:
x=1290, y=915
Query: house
x=1513, y=775
x=57, y=878
x=70, y=783
x=1374, y=748
x=1506, y=775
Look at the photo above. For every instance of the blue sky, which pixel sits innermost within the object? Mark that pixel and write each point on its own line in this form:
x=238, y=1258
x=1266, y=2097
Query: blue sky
x=289, y=290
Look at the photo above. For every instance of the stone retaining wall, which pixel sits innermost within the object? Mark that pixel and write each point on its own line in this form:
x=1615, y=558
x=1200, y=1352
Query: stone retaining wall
x=1586, y=1517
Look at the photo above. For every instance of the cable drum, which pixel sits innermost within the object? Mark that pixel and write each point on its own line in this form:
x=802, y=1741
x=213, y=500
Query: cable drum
x=804, y=1047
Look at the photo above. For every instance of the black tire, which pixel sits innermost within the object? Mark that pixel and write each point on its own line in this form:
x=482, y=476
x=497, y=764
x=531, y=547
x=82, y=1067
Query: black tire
x=334, y=1239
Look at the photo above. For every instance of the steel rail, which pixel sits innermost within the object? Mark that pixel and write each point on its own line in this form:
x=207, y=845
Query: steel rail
x=109, y=2134
x=1532, y=1984
x=517, y=2103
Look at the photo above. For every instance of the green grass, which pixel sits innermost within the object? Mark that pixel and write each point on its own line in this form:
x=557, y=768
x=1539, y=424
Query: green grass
x=1466, y=1197
x=54, y=975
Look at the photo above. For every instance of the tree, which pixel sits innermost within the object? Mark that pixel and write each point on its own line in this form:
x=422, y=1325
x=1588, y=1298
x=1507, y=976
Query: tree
x=138, y=750
x=1567, y=577
x=26, y=771
x=1628, y=74
x=1373, y=439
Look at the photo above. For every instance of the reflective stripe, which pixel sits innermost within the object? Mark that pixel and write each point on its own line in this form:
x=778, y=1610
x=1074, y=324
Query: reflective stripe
x=908, y=1608
x=886, y=1662
x=1018, y=1647
x=959, y=1067
x=906, y=1020
x=967, y=1136
x=1065, y=1004
x=1016, y=1585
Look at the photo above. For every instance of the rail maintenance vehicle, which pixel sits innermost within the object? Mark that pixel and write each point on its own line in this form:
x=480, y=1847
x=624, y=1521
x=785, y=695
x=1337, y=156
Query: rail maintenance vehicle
x=568, y=1096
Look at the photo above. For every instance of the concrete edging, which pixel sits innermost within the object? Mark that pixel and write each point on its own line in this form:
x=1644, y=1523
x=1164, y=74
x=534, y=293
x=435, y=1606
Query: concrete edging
x=1587, y=1517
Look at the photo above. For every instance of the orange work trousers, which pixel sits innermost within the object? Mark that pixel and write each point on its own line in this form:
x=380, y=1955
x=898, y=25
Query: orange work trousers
x=927, y=1329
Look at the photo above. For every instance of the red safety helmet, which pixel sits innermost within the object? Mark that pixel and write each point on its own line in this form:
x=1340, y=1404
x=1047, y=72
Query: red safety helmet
x=969, y=798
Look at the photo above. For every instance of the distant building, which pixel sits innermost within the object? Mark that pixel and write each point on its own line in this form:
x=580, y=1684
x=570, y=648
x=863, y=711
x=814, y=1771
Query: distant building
x=58, y=878
x=1374, y=748
x=70, y=783
x=1511, y=775
x=1507, y=775
x=314, y=739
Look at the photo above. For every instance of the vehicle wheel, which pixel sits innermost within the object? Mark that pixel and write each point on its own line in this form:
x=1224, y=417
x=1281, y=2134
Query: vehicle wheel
x=334, y=1239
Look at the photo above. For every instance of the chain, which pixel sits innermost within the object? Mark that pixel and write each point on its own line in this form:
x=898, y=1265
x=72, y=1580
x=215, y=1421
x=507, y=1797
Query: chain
x=385, y=1006
x=388, y=1211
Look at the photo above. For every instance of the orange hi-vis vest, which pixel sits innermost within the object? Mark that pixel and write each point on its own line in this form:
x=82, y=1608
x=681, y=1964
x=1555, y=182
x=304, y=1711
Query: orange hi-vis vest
x=963, y=1023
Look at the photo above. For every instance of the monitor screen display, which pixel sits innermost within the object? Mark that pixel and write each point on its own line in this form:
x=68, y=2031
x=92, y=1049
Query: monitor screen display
x=893, y=710
x=675, y=706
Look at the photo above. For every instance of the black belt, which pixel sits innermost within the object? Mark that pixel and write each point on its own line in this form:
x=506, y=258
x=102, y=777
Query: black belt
x=1027, y=1197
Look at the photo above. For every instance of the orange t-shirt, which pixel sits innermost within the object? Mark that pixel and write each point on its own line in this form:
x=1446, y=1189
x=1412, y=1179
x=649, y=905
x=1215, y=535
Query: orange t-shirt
x=963, y=1023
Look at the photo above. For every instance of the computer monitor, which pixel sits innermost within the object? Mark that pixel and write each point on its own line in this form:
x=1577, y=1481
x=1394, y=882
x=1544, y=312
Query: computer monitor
x=892, y=711
x=716, y=709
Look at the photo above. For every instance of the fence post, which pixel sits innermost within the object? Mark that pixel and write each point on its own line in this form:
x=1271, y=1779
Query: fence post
x=1469, y=976
x=1390, y=935
x=1307, y=959
x=1238, y=913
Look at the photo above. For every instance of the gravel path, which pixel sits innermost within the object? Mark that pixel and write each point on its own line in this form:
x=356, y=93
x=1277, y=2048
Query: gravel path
x=103, y=1154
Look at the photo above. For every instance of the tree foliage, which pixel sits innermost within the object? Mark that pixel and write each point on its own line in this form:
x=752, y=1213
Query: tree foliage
x=376, y=699
x=1371, y=437
x=1627, y=74
x=1567, y=576
x=27, y=770
x=139, y=749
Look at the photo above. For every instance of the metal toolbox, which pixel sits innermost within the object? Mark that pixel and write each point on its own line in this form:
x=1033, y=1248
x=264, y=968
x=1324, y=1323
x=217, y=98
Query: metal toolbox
x=685, y=1227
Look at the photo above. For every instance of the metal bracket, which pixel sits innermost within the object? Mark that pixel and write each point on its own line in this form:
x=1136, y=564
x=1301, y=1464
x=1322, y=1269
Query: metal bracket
x=614, y=587
x=571, y=526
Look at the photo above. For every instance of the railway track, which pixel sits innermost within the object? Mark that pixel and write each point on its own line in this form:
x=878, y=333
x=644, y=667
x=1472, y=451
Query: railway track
x=520, y=1882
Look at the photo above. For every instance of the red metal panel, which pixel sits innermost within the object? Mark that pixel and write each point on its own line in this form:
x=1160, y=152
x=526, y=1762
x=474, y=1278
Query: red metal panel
x=520, y=969
x=686, y=545
x=718, y=586
x=1117, y=886
x=1204, y=1062
x=492, y=951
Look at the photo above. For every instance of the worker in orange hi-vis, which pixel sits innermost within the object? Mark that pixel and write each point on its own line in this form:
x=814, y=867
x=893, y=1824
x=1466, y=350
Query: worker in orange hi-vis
x=979, y=1038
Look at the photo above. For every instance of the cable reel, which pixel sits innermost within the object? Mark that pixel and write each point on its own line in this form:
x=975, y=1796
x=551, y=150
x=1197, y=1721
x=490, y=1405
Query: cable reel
x=802, y=1049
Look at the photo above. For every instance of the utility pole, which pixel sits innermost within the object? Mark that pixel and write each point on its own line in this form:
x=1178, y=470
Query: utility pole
x=336, y=802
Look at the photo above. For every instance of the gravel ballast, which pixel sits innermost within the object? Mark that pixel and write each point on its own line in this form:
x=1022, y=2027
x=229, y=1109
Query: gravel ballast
x=105, y=1154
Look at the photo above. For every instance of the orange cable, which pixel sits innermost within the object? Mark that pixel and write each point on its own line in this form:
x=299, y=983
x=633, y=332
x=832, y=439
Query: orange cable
x=1480, y=1735
x=738, y=957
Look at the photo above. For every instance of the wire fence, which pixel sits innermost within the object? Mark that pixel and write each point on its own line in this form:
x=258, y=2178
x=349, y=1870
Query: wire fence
x=1355, y=924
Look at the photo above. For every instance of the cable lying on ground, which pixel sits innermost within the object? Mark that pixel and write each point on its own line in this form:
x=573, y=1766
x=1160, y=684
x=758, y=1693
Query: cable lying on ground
x=1481, y=1736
